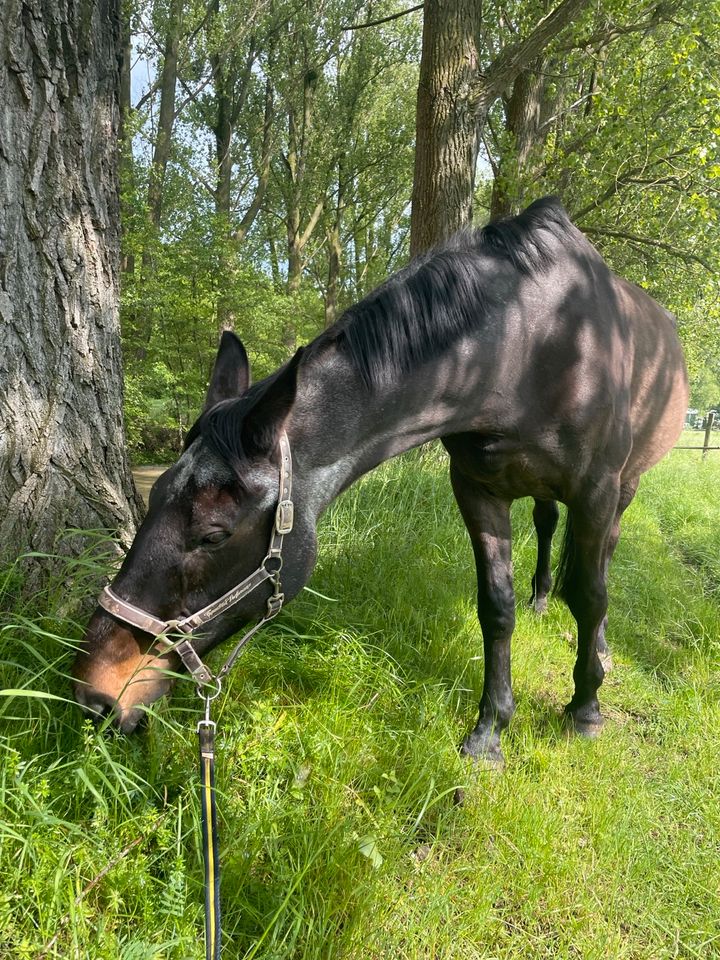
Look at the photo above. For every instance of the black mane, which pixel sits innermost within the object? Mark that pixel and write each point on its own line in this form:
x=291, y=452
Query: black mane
x=420, y=311
x=416, y=314
x=221, y=425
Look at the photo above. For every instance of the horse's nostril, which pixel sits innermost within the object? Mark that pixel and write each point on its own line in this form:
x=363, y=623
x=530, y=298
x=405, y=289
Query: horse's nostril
x=97, y=704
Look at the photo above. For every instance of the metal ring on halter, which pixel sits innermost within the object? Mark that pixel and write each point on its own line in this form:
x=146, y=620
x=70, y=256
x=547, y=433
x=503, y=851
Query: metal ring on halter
x=273, y=571
x=208, y=698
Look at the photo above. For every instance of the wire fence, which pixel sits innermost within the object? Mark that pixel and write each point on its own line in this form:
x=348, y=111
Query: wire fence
x=707, y=446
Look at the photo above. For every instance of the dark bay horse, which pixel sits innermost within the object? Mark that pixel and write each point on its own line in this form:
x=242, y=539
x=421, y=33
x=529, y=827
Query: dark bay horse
x=543, y=373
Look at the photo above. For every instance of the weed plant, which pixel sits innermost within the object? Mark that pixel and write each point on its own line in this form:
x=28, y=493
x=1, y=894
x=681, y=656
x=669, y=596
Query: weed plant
x=338, y=760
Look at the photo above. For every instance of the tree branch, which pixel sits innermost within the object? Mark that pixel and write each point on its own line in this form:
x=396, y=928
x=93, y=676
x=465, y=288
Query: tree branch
x=646, y=241
x=622, y=180
x=514, y=57
x=613, y=31
x=312, y=223
x=392, y=16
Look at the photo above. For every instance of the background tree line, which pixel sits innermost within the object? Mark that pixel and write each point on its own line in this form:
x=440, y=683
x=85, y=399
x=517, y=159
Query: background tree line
x=278, y=158
x=269, y=163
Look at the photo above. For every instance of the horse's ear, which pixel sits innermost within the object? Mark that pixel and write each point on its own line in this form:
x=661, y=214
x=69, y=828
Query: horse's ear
x=230, y=377
x=263, y=423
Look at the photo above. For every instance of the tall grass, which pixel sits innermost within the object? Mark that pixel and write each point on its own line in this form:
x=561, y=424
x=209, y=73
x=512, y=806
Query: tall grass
x=338, y=761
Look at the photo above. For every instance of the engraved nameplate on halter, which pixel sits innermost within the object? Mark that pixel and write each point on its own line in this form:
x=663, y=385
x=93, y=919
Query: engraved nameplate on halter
x=284, y=517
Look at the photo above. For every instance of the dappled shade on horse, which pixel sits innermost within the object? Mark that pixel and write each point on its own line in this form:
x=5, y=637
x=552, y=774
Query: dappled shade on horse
x=542, y=372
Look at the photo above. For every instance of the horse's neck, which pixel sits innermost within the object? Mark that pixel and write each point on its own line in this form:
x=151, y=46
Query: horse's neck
x=341, y=429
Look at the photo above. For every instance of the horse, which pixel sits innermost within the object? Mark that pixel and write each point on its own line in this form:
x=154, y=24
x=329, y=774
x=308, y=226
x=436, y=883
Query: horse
x=543, y=373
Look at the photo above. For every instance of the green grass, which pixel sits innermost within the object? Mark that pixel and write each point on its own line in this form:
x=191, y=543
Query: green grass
x=338, y=762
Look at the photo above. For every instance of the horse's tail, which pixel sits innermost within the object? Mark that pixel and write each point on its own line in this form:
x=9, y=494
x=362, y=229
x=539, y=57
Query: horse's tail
x=568, y=560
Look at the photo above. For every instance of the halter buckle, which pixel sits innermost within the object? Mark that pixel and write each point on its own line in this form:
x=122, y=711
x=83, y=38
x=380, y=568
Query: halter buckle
x=284, y=517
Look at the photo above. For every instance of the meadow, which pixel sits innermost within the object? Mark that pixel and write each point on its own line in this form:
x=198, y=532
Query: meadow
x=338, y=760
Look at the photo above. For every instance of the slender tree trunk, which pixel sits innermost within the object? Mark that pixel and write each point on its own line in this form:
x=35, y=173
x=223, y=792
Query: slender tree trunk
x=292, y=217
x=166, y=121
x=522, y=121
x=334, y=244
x=298, y=234
x=253, y=210
x=274, y=261
x=127, y=167
x=223, y=144
x=230, y=88
x=63, y=461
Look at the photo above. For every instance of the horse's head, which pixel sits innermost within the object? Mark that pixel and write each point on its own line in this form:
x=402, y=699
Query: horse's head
x=209, y=523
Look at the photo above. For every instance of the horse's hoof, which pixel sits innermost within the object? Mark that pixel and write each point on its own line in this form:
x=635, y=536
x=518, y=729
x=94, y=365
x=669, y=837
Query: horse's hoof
x=588, y=728
x=484, y=752
x=539, y=604
x=489, y=759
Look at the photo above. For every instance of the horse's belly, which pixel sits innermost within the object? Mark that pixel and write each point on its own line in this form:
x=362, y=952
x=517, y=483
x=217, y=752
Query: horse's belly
x=505, y=467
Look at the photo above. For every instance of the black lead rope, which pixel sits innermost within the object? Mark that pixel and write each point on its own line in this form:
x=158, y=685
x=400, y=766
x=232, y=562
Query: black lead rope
x=206, y=738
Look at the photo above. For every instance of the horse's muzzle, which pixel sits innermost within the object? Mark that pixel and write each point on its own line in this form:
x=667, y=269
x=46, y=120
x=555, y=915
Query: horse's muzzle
x=101, y=706
x=116, y=673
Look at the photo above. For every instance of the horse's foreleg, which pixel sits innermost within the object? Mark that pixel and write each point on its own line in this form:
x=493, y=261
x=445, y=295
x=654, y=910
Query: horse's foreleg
x=488, y=522
x=545, y=518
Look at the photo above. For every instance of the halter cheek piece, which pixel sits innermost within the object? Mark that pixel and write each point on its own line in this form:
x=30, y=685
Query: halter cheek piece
x=269, y=569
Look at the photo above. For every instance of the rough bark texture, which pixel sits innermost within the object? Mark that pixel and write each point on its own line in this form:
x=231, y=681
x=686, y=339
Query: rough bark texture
x=522, y=121
x=63, y=461
x=446, y=142
x=454, y=98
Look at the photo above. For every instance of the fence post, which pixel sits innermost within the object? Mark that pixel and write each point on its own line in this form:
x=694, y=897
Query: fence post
x=708, y=431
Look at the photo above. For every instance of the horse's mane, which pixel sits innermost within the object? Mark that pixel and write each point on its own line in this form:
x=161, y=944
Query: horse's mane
x=442, y=295
x=416, y=314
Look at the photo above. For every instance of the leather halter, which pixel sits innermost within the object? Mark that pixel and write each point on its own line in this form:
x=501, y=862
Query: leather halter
x=269, y=569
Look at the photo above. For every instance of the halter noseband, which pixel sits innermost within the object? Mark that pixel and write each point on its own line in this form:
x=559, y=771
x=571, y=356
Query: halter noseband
x=269, y=569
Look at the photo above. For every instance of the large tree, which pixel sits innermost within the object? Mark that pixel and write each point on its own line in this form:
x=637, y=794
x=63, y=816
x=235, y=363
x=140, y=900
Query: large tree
x=63, y=462
x=461, y=77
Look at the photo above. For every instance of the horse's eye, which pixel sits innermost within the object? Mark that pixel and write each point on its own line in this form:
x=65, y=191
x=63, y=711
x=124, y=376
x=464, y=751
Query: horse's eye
x=217, y=536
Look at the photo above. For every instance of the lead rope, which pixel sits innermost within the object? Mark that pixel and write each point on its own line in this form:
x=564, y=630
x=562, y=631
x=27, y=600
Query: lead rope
x=206, y=739
x=206, y=730
x=206, y=727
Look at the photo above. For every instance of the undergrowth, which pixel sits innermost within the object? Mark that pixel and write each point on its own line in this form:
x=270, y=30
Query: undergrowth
x=338, y=760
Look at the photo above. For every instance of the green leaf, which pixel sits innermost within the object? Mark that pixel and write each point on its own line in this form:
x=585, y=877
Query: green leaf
x=368, y=847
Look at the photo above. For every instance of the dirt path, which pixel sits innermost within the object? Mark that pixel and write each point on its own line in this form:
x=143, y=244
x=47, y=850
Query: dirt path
x=145, y=477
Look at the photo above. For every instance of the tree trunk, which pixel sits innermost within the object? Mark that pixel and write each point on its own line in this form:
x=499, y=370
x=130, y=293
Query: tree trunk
x=446, y=140
x=62, y=450
x=454, y=99
x=166, y=121
x=522, y=121
x=126, y=157
x=334, y=245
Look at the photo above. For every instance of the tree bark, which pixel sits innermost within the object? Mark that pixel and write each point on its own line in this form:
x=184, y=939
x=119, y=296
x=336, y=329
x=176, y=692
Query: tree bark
x=522, y=121
x=446, y=140
x=62, y=450
x=334, y=245
x=454, y=98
